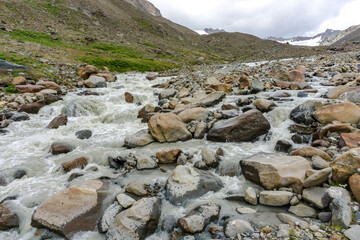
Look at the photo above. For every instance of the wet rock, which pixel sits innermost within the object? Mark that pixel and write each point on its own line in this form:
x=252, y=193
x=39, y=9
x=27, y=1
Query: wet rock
x=317, y=196
x=124, y=200
x=194, y=114
x=138, y=139
x=346, y=165
x=264, y=105
x=256, y=86
x=60, y=120
x=95, y=82
x=151, y=76
x=33, y=108
x=145, y=162
x=341, y=213
x=3, y=181
x=19, y=173
x=283, y=146
x=78, y=208
x=17, y=117
x=234, y=227
x=167, y=93
x=318, y=178
x=288, y=218
x=137, y=189
x=198, y=219
x=76, y=163
x=325, y=217
x=243, y=128
x=229, y=114
x=229, y=107
x=349, y=140
x=319, y=163
x=274, y=170
x=353, y=233
x=310, y=152
x=182, y=159
x=168, y=155
x=345, y=112
x=129, y=98
x=109, y=217
x=8, y=219
x=201, y=130
x=303, y=113
x=108, y=77
x=209, y=158
x=50, y=98
x=250, y=196
x=61, y=147
x=137, y=222
x=87, y=70
x=228, y=168
x=167, y=127
x=303, y=210
x=83, y=134
x=186, y=182
x=29, y=88
x=275, y=198
x=354, y=182
x=302, y=95
x=281, y=94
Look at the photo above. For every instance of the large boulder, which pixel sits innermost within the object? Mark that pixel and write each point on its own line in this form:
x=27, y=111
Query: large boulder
x=274, y=170
x=243, y=128
x=345, y=112
x=78, y=208
x=187, y=182
x=346, y=165
x=87, y=70
x=264, y=105
x=137, y=222
x=95, y=82
x=199, y=114
x=138, y=139
x=33, y=108
x=168, y=127
x=303, y=112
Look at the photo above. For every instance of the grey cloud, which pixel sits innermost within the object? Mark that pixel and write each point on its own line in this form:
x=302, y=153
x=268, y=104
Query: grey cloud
x=259, y=17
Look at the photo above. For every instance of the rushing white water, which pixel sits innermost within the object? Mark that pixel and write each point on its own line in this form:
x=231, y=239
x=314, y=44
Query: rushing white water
x=110, y=118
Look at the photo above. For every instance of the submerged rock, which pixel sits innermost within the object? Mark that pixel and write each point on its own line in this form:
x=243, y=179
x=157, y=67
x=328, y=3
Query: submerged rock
x=187, y=182
x=60, y=120
x=83, y=134
x=137, y=222
x=138, y=139
x=78, y=208
x=8, y=219
x=61, y=147
x=243, y=128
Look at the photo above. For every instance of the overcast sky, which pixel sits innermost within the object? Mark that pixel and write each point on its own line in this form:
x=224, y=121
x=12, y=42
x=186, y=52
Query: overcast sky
x=263, y=18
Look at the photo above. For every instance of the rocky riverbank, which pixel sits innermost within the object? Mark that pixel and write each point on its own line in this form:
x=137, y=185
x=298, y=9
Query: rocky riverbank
x=264, y=150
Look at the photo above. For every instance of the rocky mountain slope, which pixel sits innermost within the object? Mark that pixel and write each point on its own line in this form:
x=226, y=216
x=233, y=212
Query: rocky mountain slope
x=120, y=35
x=349, y=35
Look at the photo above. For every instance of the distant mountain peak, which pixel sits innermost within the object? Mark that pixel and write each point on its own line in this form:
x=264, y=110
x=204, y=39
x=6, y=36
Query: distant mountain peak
x=208, y=31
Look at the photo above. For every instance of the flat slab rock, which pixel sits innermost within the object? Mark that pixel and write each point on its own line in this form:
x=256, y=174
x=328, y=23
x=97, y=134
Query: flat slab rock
x=274, y=170
x=75, y=209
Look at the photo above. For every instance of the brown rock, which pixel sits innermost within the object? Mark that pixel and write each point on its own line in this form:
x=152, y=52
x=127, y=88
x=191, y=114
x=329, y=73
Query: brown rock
x=19, y=80
x=31, y=107
x=8, y=219
x=53, y=86
x=264, y=105
x=336, y=92
x=60, y=120
x=283, y=84
x=201, y=130
x=168, y=155
x=77, y=163
x=183, y=92
x=137, y=189
x=336, y=127
x=86, y=71
x=29, y=88
x=168, y=127
x=345, y=112
x=244, y=82
x=300, y=85
x=199, y=114
x=221, y=87
x=320, y=143
x=243, y=128
x=151, y=76
x=310, y=152
x=76, y=209
x=229, y=107
x=296, y=76
x=108, y=77
x=346, y=165
x=301, y=69
x=354, y=182
x=60, y=147
x=350, y=140
x=129, y=98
